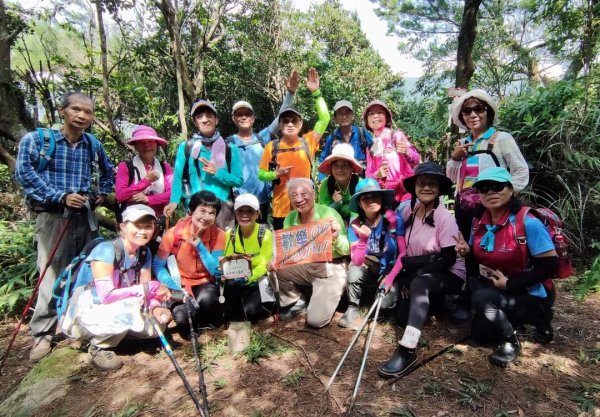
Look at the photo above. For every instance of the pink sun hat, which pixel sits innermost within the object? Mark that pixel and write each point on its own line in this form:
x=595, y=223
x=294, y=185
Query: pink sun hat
x=143, y=132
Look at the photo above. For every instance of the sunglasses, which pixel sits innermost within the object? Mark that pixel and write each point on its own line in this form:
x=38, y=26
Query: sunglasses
x=478, y=109
x=495, y=187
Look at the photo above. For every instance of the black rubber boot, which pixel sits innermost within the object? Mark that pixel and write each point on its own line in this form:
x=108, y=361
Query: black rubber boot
x=399, y=363
x=543, y=333
x=507, y=352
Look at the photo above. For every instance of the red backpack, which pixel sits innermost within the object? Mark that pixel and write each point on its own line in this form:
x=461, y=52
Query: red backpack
x=555, y=227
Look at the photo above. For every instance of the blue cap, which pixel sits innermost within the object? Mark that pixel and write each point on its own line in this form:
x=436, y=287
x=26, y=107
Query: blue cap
x=496, y=174
x=368, y=186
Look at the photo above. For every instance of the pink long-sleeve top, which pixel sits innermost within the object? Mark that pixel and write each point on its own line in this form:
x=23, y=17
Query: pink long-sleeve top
x=124, y=191
x=400, y=166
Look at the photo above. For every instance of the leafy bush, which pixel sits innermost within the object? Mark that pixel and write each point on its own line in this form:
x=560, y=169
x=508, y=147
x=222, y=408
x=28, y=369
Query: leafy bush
x=17, y=265
x=558, y=128
x=589, y=281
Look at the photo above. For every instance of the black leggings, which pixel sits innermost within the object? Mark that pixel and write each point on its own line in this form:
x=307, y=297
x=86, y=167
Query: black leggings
x=421, y=286
x=496, y=311
x=243, y=303
x=208, y=313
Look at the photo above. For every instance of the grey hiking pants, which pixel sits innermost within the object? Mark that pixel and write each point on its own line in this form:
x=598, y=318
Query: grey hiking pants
x=47, y=229
x=327, y=280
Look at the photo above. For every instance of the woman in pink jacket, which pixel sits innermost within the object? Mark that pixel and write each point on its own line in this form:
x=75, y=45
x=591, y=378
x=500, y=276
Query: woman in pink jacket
x=144, y=179
x=392, y=157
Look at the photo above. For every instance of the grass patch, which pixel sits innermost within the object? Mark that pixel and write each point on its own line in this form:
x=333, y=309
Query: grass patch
x=293, y=379
x=219, y=383
x=263, y=345
x=586, y=396
x=129, y=410
x=472, y=392
x=589, y=356
x=430, y=388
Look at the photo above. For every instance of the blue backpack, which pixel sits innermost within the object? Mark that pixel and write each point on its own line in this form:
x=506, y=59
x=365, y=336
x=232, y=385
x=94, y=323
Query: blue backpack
x=69, y=279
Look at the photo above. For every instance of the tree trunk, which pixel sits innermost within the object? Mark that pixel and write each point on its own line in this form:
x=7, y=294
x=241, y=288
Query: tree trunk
x=105, y=75
x=14, y=120
x=466, y=39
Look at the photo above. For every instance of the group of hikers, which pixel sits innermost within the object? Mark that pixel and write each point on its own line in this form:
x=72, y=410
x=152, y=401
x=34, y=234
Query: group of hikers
x=391, y=233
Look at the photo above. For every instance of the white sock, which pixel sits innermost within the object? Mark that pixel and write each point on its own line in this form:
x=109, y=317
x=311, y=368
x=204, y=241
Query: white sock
x=410, y=338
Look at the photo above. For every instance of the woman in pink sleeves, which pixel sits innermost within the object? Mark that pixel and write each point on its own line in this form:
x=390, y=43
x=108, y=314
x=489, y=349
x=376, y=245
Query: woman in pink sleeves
x=144, y=179
x=392, y=157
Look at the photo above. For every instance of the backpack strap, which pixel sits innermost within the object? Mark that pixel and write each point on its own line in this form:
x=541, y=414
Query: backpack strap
x=262, y=229
x=520, y=234
x=362, y=139
x=132, y=171
x=47, y=147
x=488, y=150
x=330, y=185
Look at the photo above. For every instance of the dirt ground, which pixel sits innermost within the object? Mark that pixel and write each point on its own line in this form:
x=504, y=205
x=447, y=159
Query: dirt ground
x=558, y=379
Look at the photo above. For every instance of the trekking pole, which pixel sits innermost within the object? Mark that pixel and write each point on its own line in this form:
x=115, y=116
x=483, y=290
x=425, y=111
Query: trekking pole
x=276, y=307
x=61, y=233
x=368, y=345
x=430, y=358
x=171, y=356
x=201, y=383
x=353, y=342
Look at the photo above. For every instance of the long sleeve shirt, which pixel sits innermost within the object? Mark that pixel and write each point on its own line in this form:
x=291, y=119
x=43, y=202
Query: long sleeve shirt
x=68, y=171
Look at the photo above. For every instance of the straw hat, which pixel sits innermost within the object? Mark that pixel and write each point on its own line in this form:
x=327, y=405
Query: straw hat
x=340, y=152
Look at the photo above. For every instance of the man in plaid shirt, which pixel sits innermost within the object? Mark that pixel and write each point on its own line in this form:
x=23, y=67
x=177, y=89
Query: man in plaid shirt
x=76, y=179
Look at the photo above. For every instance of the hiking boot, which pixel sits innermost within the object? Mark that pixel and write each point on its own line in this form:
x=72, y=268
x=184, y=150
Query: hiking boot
x=289, y=313
x=400, y=363
x=105, y=360
x=543, y=333
x=349, y=316
x=41, y=348
x=507, y=352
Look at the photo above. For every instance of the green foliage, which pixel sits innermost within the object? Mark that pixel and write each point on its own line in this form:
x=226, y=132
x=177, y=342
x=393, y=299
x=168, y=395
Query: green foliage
x=213, y=350
x=472, y=392
x=402, y=412
x=589, y=356
x=589, y=281
x=262, y=345
x=558, y=127
x=128, y=410
x=17, y=265
x=294, y=378
x=220, y=383
x=431, y=387
x=586, y=396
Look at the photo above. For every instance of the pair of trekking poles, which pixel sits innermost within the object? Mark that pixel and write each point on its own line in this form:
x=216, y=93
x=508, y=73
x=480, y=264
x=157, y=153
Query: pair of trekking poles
x=374, y=311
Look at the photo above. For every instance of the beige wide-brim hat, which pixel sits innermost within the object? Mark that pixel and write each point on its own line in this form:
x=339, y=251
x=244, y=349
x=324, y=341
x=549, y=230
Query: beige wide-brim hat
x=479, y=95
x=341, y=152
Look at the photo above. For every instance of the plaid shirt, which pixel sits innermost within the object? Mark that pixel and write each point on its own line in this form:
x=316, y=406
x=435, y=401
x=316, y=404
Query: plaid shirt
x=69, y=170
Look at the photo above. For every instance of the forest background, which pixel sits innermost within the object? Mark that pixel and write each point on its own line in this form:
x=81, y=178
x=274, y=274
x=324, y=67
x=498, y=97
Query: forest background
x=146, y=61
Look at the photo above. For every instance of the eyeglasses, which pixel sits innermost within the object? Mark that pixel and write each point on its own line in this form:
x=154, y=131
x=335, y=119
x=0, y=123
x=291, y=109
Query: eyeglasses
x=493, y=186
x=478, y=109
x=288, y=120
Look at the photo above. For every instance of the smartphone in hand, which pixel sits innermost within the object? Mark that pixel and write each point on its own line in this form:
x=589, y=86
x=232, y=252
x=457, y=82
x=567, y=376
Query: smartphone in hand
x=487, y=272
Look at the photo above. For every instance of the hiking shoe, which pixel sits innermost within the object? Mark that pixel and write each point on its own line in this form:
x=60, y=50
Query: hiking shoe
x=400, y=363
x=105, y=360
x=543, y=333
x=507, y=352
x=349, y=316
x=288, y=313
x=41, y=348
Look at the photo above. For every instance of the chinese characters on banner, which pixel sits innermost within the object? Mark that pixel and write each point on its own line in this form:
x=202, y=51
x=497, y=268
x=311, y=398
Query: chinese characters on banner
x=303, y=244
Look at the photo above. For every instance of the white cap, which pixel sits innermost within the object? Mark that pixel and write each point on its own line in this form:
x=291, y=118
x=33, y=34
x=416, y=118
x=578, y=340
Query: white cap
x=246, y=199
x=136, y=211
x=241, y=105
x=342, y=103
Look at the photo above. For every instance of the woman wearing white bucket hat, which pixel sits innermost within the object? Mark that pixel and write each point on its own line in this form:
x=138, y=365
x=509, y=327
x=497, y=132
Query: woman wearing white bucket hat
x=484, y=147
x=342, y=172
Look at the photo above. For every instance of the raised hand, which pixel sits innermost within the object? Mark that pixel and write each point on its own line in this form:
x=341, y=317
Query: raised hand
x=337, y=196
x=312, y=82
x=170, y=209
x=152, y=175
x=293, y=82
x=208, y=167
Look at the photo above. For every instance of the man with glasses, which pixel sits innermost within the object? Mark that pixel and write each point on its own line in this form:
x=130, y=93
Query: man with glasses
x=347, y=132
x=206, y=162
x=251, y=145
x=293, y=155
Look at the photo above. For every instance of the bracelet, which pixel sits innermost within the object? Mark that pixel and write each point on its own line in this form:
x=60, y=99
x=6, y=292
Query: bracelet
x=316, y=93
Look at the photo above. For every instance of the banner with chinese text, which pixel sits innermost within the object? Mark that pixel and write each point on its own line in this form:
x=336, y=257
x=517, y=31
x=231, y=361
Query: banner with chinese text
x=303, y=244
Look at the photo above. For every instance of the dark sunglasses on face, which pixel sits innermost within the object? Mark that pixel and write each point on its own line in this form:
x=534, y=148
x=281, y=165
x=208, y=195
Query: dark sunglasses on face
x=478, y=109
x=493, y=186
